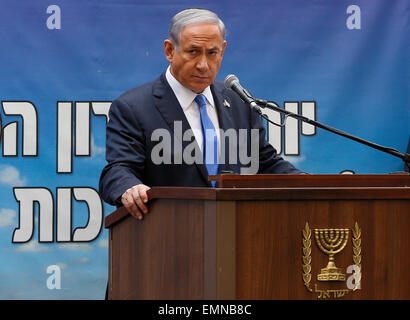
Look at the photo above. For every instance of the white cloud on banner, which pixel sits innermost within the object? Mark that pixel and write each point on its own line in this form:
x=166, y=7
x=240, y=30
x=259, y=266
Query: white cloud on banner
x=103, y=243
x=96, y=150
x=62, y=265
x=76, y=247
x=82, y=260
x=11, y=176
x=32, y=246
x=7, y=217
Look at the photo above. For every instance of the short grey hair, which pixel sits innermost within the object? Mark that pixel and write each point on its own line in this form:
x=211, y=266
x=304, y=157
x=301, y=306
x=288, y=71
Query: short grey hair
x=190, y=16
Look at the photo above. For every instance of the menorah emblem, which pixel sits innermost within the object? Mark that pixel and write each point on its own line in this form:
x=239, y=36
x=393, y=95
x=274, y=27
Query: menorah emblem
x=331, y=242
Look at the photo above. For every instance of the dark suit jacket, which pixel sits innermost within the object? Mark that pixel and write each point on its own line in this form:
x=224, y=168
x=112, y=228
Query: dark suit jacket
x=137, y=113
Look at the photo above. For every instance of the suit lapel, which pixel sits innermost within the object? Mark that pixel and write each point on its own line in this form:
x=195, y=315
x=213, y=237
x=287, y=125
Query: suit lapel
x=223, y=103
x=168, y=106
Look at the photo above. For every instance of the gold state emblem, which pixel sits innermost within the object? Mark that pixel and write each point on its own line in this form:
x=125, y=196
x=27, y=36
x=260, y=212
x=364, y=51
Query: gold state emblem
x=331, y=242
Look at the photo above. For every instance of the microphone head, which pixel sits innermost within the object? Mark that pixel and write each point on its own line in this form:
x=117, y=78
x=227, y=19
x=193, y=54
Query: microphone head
x=229, y=80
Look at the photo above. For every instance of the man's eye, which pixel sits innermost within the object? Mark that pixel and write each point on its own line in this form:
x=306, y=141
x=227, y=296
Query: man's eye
x=193, y=51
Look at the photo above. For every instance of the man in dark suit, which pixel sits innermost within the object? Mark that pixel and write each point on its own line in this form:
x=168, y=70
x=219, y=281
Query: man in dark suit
x=140, y=155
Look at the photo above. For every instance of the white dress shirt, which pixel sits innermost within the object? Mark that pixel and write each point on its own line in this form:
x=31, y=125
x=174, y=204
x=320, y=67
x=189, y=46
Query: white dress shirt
x=186, y=99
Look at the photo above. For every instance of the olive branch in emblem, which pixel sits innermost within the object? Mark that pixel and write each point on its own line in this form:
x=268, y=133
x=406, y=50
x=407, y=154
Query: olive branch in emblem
x=357, y=258
x=306, y=258
x=357, y=251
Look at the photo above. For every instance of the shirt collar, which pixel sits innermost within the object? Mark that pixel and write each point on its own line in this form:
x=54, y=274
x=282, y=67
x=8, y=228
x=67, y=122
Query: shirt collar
x=184, y=95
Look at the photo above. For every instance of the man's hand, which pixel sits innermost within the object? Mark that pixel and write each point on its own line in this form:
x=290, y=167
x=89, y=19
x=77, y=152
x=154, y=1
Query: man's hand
x=134, y=200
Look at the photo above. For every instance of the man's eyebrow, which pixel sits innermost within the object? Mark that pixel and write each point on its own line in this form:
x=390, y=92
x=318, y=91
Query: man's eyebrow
x=214, y=48
x=194, y=47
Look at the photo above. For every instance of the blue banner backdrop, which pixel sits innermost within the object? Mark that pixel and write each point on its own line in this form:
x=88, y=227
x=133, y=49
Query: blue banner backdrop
x=343, y=63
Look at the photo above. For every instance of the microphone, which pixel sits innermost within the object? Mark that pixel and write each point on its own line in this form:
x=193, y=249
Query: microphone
x=232, y=82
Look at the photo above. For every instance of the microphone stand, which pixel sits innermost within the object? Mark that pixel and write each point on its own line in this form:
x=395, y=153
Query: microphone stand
x=271, y=105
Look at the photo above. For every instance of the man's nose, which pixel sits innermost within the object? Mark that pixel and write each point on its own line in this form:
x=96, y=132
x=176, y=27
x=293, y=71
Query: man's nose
x=202, y=63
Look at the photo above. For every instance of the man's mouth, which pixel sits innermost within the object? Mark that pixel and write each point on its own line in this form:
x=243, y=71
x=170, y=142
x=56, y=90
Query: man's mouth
x=201, y=78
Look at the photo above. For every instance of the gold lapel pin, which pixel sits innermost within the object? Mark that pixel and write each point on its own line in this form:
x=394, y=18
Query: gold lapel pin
x=226, y=104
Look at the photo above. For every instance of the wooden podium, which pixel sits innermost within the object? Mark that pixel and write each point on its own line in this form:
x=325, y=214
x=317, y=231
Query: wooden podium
x=254, y=237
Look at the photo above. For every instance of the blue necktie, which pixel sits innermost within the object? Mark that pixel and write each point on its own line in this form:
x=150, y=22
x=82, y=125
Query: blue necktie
x=210, y=145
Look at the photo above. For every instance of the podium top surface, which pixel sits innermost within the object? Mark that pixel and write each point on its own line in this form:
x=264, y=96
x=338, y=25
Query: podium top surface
x=311, y=180
x=285, y=187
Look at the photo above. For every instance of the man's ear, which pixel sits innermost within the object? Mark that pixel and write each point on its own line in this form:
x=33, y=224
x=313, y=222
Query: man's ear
x=223, y=47
x=169, y=50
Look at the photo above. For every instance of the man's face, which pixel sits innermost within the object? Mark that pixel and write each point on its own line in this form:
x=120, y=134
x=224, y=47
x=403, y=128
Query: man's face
x=198, y=58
